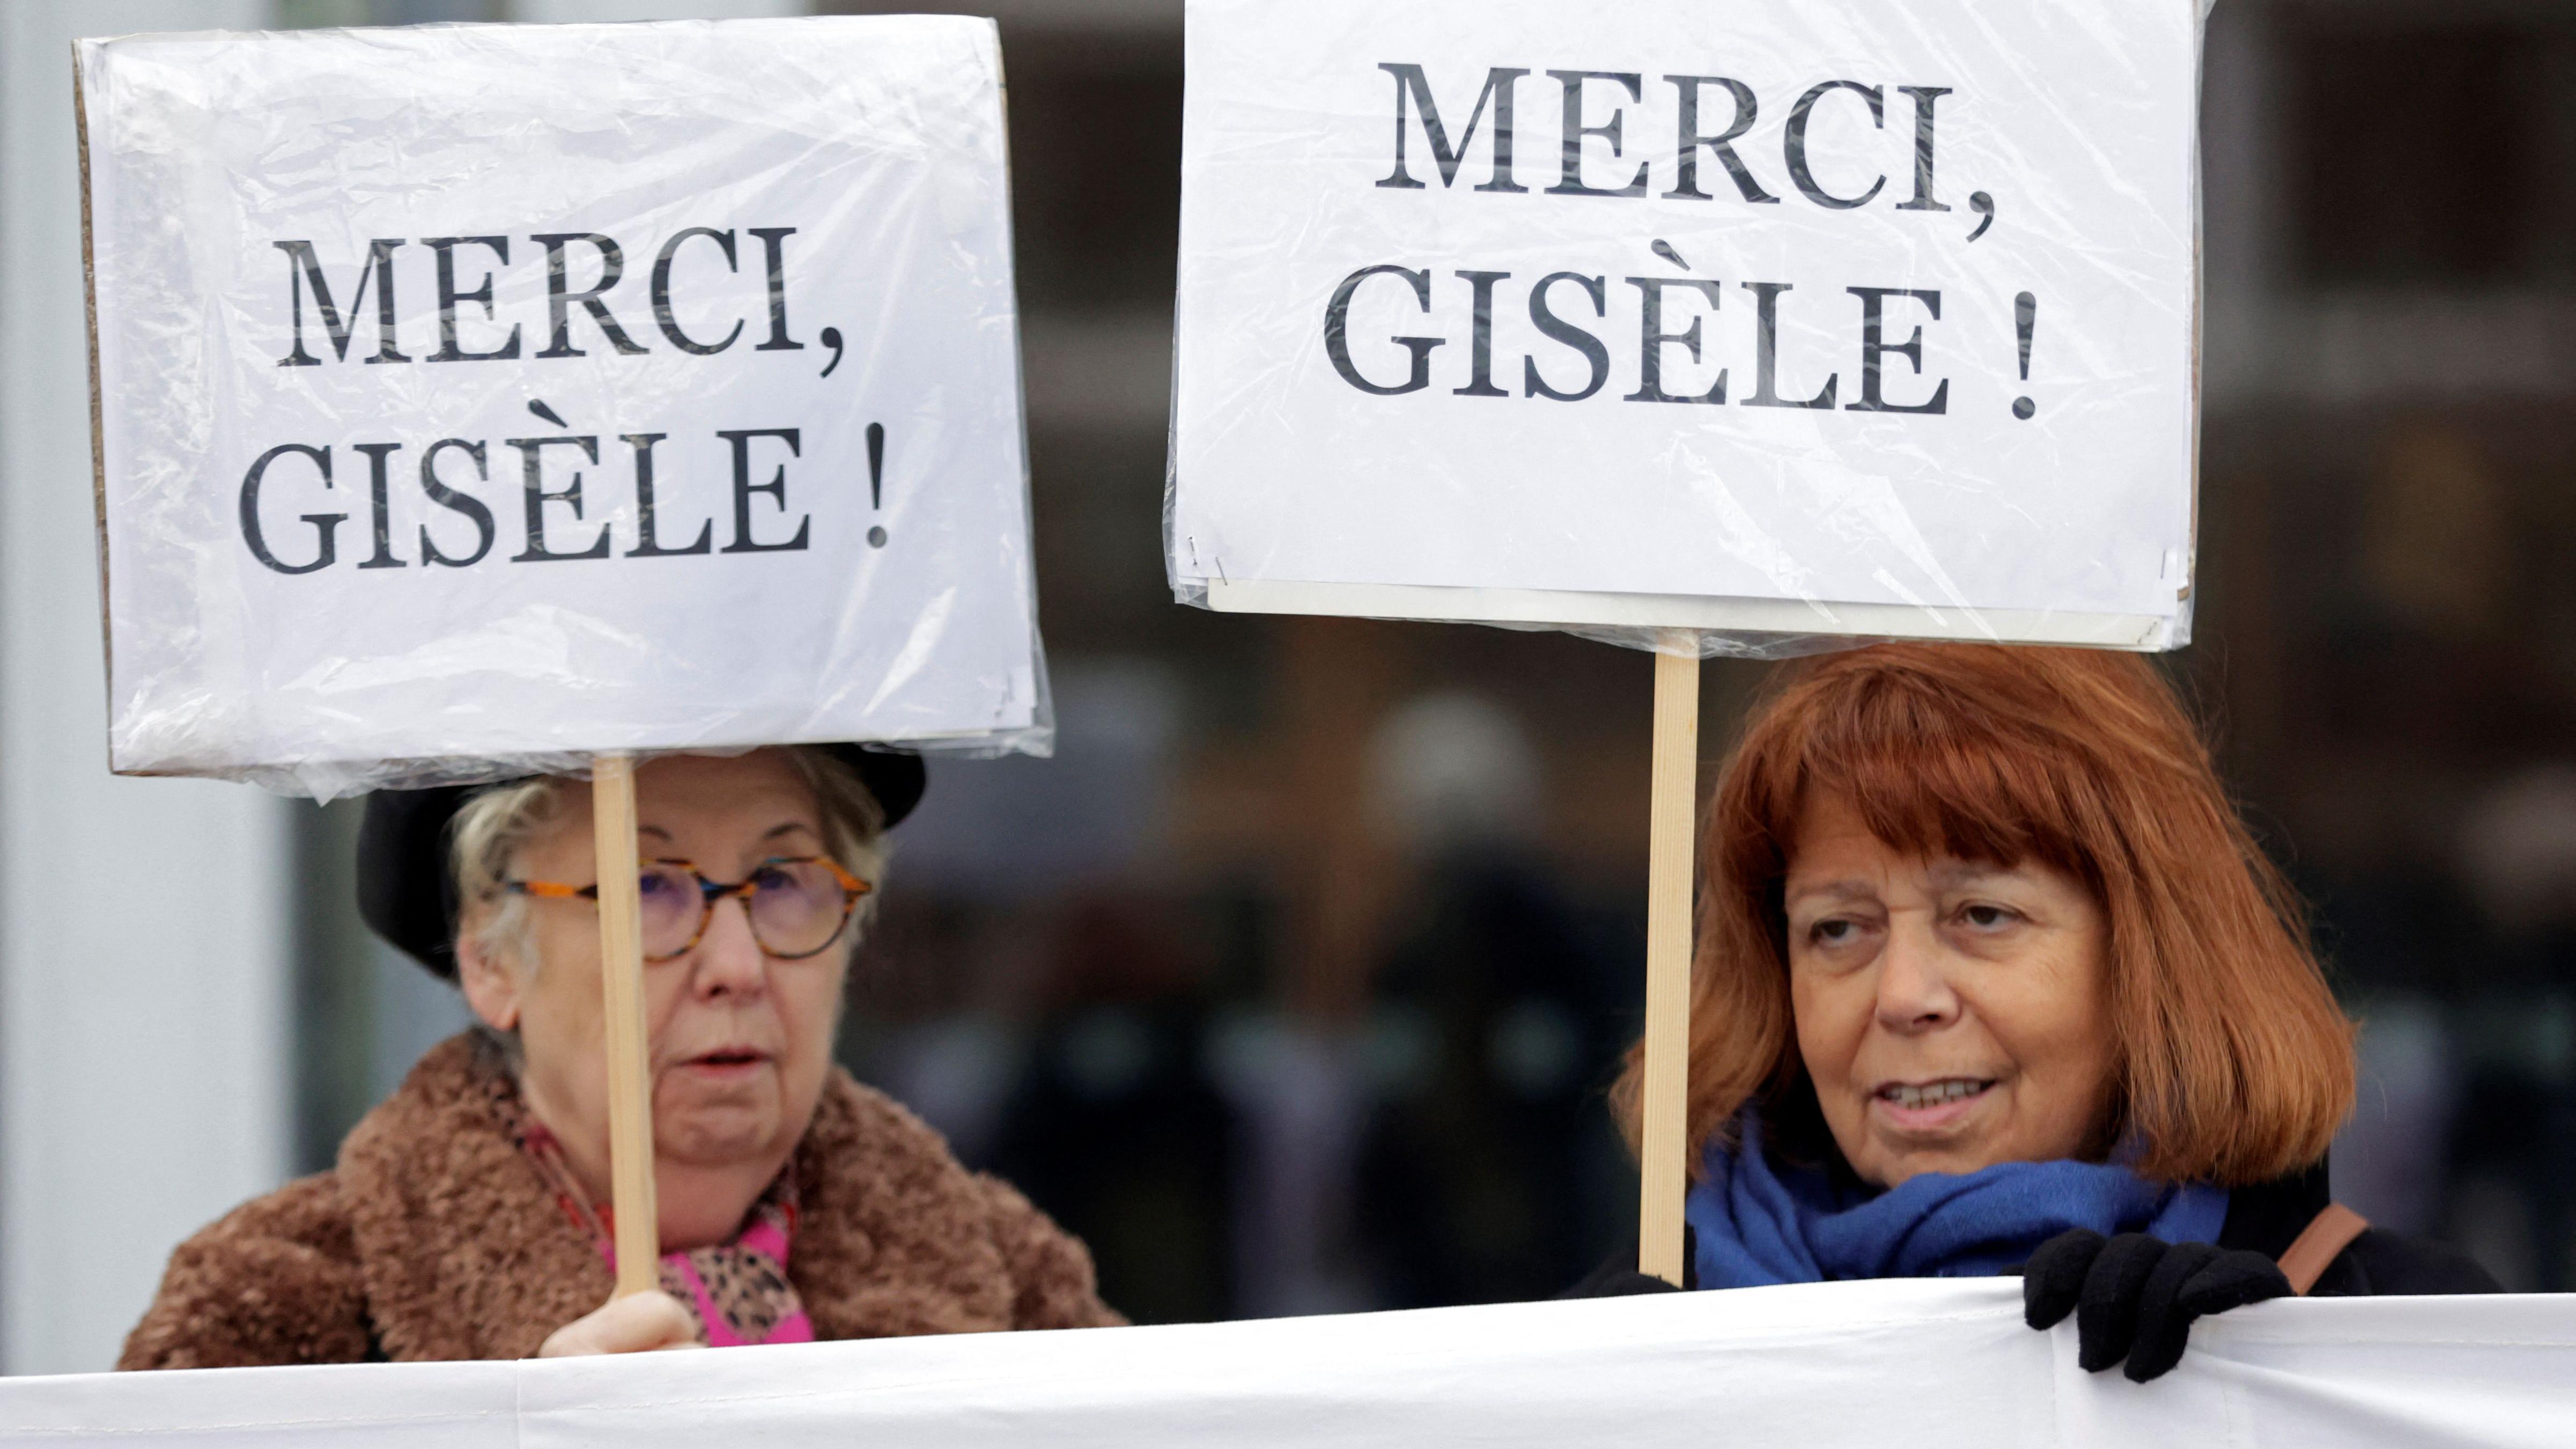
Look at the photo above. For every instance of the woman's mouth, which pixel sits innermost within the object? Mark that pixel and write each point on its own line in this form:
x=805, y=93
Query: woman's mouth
x=1929, y=1106
x=726, y=1062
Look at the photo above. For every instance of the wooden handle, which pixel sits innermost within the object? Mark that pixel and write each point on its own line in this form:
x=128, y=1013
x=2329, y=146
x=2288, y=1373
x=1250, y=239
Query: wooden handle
x=630, y=1077
x=1663, y=1155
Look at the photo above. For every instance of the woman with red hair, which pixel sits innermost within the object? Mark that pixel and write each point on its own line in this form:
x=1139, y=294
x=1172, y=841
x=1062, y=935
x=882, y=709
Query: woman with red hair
x=1991, y=977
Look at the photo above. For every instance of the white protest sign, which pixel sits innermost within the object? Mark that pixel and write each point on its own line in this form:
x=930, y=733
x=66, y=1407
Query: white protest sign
x=1919, y=1362
x=1807, y=316
x=505, y=394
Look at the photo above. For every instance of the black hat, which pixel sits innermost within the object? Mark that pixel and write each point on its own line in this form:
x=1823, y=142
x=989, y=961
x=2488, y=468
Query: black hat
x=407, y=894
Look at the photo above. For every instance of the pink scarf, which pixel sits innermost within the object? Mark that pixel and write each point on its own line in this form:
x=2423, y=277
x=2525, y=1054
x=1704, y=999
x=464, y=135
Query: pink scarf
x=736, y=1291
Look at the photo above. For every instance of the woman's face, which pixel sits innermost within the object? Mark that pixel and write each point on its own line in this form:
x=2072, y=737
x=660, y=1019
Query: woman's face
x=740, y=1040
x=1950, y=1013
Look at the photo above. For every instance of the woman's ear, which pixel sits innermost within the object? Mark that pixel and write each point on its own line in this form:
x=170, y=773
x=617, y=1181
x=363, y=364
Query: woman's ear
x=490, y=983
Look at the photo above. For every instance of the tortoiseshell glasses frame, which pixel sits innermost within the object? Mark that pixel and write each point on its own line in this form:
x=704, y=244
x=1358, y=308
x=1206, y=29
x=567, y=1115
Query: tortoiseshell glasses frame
x=782, y=877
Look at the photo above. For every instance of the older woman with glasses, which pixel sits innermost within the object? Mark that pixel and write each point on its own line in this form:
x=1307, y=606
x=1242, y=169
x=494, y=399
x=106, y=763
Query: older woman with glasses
x=467, y=1216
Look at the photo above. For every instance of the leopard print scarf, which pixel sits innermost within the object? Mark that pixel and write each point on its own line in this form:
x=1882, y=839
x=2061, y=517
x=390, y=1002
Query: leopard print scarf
x=737, y=1292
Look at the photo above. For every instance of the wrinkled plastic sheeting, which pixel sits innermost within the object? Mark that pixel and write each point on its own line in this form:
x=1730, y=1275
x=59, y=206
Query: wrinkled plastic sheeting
x=1749, y=330
x=769, y=487
x=1928, y=1363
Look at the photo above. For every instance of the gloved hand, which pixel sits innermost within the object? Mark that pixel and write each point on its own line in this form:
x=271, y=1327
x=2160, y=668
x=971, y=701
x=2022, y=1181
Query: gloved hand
x=2135, y=1297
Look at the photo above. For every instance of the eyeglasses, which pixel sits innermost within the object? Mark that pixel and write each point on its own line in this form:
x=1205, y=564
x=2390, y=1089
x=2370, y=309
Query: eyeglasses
x=798, y=905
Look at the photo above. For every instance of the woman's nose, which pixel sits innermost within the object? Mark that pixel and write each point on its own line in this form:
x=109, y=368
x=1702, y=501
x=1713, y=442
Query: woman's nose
x=1913, y=990
x=729, y=958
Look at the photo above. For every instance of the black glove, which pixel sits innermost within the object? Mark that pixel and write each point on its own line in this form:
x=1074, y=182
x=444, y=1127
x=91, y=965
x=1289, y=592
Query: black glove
x=2134, y=1297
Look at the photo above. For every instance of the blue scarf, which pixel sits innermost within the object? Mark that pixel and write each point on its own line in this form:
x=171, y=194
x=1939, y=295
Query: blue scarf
x=1757, y=1224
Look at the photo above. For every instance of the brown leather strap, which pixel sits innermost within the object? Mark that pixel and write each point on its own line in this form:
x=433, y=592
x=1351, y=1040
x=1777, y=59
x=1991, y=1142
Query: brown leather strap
x=2317, y=1246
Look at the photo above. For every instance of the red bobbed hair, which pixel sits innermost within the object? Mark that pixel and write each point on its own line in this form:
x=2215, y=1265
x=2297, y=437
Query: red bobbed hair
x=2235, y=1064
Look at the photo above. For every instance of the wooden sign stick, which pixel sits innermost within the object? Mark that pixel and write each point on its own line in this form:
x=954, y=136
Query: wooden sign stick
x=1663, y=1153
x=630, y=1080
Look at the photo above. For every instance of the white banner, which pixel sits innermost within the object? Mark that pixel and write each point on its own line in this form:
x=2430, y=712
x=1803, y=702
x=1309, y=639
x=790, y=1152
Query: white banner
x=519, y=392
x=1923, y=1363
x=1798, y=316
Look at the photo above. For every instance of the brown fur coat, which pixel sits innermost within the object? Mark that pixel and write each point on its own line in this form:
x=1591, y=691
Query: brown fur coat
x=434, y=1238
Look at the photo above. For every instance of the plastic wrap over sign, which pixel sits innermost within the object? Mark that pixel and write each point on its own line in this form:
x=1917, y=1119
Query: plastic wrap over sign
x=478, y=398
x=1760, y=324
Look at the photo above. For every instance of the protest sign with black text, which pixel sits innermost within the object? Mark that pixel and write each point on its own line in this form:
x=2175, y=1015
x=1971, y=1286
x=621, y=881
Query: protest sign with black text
x=1791, y=316
x=507, y=394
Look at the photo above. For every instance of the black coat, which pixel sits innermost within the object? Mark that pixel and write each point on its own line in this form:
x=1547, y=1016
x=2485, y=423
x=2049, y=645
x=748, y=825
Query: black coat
x=2266, y=1218
x=2270, y=1216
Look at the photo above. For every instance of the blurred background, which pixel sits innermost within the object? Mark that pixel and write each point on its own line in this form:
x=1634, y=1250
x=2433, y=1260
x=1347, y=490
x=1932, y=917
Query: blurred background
x=1293, y=981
